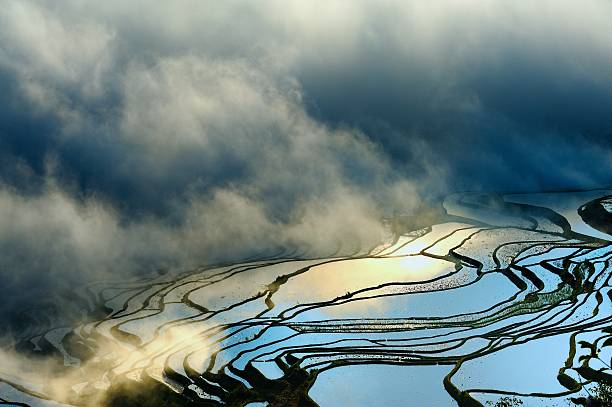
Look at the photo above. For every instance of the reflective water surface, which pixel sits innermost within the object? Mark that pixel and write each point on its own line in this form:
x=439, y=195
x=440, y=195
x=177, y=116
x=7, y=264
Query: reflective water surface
x=508, y=296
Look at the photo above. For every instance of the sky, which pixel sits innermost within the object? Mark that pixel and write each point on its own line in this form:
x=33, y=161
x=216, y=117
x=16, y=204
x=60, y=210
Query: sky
x=142, y=135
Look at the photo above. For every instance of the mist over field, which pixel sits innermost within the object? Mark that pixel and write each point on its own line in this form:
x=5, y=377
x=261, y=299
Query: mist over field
x=140, y=137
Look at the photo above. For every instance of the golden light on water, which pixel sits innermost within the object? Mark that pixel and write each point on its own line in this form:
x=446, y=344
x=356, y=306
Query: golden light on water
x=338, y=278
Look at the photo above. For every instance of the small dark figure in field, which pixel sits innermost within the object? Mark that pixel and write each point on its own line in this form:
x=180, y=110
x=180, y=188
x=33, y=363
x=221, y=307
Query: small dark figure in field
x=587, y=401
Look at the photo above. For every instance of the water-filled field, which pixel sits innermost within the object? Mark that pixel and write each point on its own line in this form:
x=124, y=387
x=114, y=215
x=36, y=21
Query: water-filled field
x=505, y=300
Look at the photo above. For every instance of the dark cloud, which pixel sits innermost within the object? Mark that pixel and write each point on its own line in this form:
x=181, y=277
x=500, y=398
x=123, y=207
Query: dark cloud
x=505, y=87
